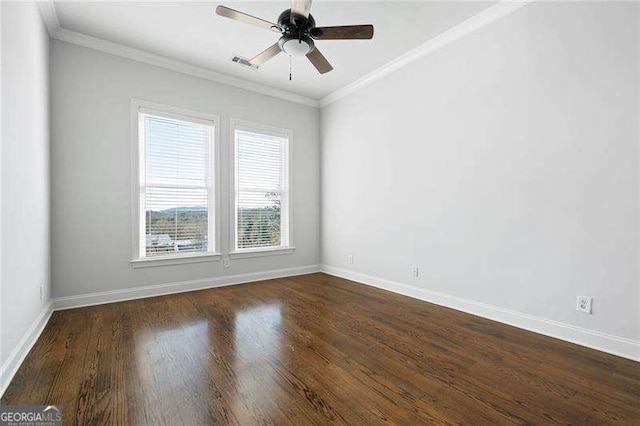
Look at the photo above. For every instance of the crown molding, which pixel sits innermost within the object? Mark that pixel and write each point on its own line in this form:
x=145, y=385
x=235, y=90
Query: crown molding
x=480, y=20
x=476, y=22
x=49, y=16
x=178, y=66
x=51, y=21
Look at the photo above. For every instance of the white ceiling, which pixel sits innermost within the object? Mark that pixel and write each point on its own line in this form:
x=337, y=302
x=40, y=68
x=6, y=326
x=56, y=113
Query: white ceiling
x=192, y=33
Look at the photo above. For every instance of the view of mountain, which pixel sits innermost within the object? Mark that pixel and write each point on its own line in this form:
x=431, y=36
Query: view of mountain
x=185, y=229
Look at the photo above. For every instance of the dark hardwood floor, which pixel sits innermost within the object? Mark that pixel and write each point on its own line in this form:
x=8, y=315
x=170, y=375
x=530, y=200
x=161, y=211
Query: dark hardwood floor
x=313, y=349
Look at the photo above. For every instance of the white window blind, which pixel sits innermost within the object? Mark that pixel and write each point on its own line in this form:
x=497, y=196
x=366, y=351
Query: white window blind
x=261, y=190
x=176, y=191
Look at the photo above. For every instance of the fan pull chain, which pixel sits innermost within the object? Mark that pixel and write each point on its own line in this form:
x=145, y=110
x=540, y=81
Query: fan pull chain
x=289, y=67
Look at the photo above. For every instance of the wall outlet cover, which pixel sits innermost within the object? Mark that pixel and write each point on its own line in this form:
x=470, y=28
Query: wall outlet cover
x=584, y=304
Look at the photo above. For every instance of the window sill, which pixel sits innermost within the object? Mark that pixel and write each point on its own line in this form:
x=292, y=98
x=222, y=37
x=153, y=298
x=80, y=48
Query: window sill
x=175, y=260
x=270, y=251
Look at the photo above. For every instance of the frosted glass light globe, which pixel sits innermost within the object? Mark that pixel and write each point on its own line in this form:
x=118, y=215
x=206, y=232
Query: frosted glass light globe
x=295, y=47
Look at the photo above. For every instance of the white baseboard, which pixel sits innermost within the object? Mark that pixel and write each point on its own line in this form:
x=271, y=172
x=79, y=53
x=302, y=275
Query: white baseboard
x=70, y=302
x=19, y=353
x=615, y=345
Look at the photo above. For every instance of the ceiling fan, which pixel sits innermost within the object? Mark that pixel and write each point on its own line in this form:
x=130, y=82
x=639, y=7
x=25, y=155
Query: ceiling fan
x=298, y=29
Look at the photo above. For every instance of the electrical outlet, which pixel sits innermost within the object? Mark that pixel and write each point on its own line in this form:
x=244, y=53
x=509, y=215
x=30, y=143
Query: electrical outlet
x=350, y=258
x=41, y=291
x=584, y=304
x=415, y=271
x=226, y=262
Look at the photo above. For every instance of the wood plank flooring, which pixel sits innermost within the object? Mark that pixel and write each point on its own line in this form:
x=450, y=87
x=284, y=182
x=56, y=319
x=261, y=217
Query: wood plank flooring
x=313, y=349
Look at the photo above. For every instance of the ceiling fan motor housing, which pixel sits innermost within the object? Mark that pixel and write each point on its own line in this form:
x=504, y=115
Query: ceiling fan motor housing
x=299, y=23
x=296, y=39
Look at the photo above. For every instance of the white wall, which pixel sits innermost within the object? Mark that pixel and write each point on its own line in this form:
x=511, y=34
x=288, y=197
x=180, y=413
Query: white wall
x=24, y=174
x=91, y=182
x=504, y=165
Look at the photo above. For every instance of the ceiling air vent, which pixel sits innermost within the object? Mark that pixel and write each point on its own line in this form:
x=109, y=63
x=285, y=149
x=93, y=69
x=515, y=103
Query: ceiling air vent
x=244, y=62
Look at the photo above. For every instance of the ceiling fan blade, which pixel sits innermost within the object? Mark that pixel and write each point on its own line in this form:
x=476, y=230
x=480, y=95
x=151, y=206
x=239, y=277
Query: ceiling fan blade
x=319, y=61
x=300, y=9
x=264, y=56
x=247, y=19
x=347, y=32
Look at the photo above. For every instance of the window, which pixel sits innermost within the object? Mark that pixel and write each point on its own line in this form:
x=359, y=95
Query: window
x=175, y=189
x=177, y=177
x=261, y=179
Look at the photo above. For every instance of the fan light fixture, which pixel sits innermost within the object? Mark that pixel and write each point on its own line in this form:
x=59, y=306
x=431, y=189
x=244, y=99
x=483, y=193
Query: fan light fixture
x=296, y=46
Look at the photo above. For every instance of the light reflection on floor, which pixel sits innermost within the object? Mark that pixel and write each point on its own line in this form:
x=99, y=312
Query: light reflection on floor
x=242, y=351
x=183, y=350
x=258, y=342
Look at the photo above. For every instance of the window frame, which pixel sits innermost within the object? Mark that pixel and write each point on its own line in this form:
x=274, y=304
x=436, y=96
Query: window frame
x=234, y=252
x=137, y=259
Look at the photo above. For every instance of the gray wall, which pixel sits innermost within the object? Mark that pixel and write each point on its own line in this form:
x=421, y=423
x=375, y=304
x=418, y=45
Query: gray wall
x=91, y=174
x=24, y=172
x=504, y=165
